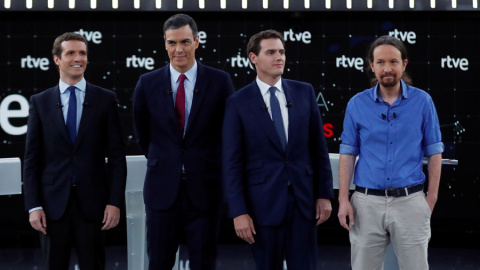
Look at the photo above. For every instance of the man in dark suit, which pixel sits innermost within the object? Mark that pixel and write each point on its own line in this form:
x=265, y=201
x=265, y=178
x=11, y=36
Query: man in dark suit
x=68, y=187
x=178, y=114
x=276, y=169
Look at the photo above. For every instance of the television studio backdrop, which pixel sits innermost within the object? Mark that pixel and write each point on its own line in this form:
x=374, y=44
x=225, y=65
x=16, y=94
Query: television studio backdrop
x=326, y=44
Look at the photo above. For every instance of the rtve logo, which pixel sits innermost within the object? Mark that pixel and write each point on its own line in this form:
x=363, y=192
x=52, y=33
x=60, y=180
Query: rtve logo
x=202, y=37
x=302, y=36
x=455, y=63
x=91, y=36
x=349, y=62
x=408, y=36
x=35, y=62
x=241, y=62
x=140, y=62
x=7, y=113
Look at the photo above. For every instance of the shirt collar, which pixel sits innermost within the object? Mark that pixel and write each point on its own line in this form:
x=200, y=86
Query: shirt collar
x=376, y=97
x=264, y=87
x=190, y=74
x=81, y=85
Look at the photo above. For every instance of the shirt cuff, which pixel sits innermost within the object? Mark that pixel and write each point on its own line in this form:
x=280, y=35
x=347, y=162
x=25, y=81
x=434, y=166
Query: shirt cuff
x=35, y=209
x=348, y=150
x=433, y=149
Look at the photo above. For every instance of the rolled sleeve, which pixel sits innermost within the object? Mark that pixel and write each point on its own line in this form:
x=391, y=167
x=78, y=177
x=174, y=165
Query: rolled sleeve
x=350, y=134
x=433, y=149
x=348, y=149
x=432, y=140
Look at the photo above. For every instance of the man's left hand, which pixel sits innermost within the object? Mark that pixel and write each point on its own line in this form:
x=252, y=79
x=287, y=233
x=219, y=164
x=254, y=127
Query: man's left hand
x=111, y=217
x=324, y=209
x=431, y=200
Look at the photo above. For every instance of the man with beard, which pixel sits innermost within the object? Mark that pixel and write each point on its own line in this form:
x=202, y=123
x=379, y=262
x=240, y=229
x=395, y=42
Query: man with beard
x=391, y=127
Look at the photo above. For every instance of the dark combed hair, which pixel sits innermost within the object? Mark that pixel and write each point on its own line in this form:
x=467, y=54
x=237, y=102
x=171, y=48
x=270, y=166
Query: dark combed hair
x=254, y=42
x=57, y=44
x=388, y=40
x=180, y=20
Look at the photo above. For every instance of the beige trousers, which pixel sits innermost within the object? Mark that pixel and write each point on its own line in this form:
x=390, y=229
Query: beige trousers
x=379, y=220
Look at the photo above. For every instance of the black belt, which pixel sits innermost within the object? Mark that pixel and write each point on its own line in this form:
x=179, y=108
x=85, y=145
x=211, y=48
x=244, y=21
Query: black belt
x=390, y=192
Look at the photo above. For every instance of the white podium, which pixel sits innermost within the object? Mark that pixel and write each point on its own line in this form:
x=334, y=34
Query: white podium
x=135, y=208
x=10, y=176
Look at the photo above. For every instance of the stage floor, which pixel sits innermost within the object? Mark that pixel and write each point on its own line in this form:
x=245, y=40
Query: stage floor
x=238, y=257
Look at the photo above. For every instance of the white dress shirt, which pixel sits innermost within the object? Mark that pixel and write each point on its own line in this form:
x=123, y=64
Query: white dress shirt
x=282, y=100
x=189, y=84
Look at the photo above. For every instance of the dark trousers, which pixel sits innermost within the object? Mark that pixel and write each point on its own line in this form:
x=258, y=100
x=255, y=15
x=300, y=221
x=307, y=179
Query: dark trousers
x=295, y=240
x=73, y=230
x=166, y=228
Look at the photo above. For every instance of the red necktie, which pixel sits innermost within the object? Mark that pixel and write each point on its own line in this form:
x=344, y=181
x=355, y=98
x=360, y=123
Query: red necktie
x=180, y=103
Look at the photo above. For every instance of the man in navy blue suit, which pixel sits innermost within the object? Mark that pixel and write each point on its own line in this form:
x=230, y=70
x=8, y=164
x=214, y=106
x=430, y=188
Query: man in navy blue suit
x=276, y=168
x=70, y=192
x=178, y=115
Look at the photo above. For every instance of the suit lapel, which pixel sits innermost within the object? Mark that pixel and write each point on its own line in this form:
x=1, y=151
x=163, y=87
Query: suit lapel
x=259, y=111
x=292, y=114
x=58, y=118
x=88, y=112
x=162, y=91
x=199, y=93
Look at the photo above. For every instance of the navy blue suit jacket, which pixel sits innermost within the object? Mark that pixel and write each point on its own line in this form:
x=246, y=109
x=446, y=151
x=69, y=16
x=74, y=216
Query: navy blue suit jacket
x=50, y=160
x=165, y=148
x=256, y=170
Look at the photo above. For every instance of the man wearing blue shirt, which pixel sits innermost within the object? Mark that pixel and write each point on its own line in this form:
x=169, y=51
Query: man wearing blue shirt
x=390, y=127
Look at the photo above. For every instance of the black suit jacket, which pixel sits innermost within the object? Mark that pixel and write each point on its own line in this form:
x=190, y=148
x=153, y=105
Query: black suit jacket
x=50, y=160
x=165, y=148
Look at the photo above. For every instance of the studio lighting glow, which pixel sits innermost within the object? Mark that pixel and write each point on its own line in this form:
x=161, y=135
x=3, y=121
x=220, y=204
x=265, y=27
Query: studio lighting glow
x=307, y=4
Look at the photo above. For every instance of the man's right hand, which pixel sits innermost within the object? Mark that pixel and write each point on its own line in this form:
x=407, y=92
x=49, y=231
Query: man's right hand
x=244, y=228
x=38, y=220
x=345, y=211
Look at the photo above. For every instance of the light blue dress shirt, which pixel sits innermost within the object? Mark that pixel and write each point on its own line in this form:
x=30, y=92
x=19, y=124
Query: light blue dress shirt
x=189, y=85
x=391, y=140
x=65, y=97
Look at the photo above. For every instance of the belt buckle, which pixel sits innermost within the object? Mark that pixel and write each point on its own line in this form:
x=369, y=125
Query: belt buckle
x=395, y=190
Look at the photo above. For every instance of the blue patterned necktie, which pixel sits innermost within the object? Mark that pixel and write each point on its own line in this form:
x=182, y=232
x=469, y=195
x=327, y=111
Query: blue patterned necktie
x=72, y=115
x=277, y=117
